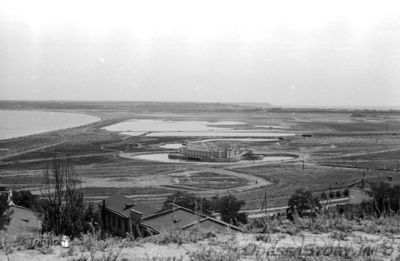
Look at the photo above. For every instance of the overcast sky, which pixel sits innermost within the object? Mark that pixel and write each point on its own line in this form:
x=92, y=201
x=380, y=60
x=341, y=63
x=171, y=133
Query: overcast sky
x=305, y=53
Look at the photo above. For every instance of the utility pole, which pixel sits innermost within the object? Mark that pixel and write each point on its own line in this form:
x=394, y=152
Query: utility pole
x=264, y=203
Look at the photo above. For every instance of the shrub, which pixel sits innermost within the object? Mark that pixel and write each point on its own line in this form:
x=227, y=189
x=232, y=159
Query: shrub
x=229, y=207
x=213, y=254
x=323, y=196
x=63, y=208
x=5, y=213
x=302, y=203
x=386, y=199
x=26, y=199
x=179, y=237
x=338, y=194
x=331, y=194
x=189, y=201
x=346, y=193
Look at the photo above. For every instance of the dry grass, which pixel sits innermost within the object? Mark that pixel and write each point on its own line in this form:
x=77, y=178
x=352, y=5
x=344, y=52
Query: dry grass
x=328, y=236
x=180, y=237
x=328, y=222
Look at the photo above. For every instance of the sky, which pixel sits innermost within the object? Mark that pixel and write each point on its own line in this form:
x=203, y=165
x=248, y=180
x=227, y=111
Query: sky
x=288, y=52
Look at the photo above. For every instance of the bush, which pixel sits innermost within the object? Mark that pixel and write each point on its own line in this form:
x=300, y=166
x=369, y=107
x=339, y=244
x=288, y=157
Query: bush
x=179, y=237
x=302, y=203
x=229, y=207
x=213, y=254
x=386, y=198
x=346, y=193
x=323, y=196
x=338, y=194
x=5, y=213
x=331, y=194
x=189, y=201
x=64, y=209
x=26, y=199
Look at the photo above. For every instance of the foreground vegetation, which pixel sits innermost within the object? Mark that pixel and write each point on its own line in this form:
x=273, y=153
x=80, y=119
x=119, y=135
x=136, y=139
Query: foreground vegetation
x=326, y=237
x=311, y=232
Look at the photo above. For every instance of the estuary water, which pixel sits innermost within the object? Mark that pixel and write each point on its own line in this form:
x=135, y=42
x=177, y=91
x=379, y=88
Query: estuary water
x=163, y=157
x=172, y=128
x=15, y=124
x=178, y=145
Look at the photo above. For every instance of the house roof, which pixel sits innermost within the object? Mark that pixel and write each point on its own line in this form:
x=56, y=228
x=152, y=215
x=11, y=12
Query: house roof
x=182, y=218
x=122, y=205
x=144, y=208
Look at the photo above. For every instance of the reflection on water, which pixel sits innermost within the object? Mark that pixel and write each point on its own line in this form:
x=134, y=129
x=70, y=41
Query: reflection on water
x=163, y=157
x=178, y=145
x=239, y=139
x=145, y=125
x=273, y=126
x=226, y=123
x=22, y=123
x=171, y=146
x=215, y=134
x=161, y=128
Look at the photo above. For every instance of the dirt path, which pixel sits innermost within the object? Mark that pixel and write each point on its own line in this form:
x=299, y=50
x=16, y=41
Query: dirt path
x=362, y=153
x=31, y=150
x=187, y=169
x=49, y=159
x=252, y=181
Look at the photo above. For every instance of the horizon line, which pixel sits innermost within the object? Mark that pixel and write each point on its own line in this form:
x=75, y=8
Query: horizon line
x=289, y=106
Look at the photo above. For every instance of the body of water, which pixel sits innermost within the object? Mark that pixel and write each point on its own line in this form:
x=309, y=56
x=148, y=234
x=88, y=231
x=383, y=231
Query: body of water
x=178, y=145
x=215, y=134
x=146, y=125
x=171, y=146
x=15, y=124
x=163, y=157
x=169, y=128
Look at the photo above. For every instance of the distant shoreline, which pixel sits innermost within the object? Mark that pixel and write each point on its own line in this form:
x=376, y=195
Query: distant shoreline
x=88, y=105
x=21, y=123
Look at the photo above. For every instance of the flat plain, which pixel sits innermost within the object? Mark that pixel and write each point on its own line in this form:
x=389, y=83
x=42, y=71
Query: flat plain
x=330, y=147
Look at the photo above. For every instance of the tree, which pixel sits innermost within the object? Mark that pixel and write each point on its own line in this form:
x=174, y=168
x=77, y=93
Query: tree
x=323, y=196
x=338, y=194
x=5, y=212
x=386, y=198
x=331, y=194
x=229, y=207
x=346, y=192
x=63, y=208
x=26, y=199
x=303, y=204
x=190, y=201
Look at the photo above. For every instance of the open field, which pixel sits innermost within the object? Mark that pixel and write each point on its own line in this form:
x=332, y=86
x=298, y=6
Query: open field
x=336, y=147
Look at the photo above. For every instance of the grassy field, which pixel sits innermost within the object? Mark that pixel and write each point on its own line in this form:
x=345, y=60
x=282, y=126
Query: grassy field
x=286, y=178
x=337, y=147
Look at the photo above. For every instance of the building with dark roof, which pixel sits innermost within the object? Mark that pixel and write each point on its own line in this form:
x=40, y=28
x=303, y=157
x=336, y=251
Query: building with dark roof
x=121, y=215
x=182, y=218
